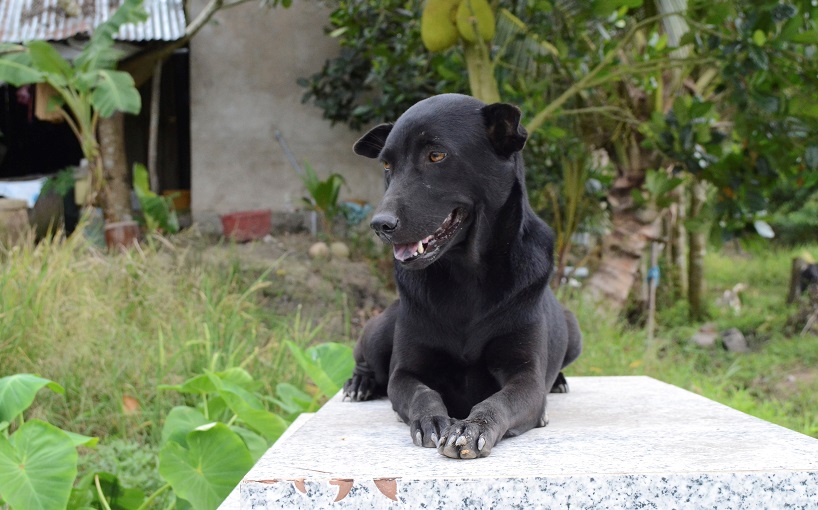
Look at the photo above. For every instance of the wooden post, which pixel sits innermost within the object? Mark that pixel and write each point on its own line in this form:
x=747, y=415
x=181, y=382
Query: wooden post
x=798, y=265
x=653, y=283
x=153, y=128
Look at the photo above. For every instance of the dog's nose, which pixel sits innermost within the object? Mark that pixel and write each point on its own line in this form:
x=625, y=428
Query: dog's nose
x=384, y=223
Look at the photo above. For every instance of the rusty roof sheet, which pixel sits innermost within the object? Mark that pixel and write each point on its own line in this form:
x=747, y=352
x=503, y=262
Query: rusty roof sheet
x=26, y=20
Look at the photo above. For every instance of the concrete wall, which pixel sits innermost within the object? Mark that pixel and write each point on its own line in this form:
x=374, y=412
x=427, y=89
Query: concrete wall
x=243, y=88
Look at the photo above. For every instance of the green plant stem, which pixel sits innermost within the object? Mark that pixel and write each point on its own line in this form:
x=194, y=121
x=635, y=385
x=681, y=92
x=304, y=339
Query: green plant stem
x=153, y=496
x=102, y=500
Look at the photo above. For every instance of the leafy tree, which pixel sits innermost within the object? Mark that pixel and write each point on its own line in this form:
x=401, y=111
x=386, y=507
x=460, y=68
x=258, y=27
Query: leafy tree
x=383, y=68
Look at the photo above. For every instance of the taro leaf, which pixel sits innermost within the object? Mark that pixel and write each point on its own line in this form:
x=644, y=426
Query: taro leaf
x=115, y=91
x=80, y=440
x=328, y=365
x=249, y=408
x=207, y=471
x=38, y=464
x=255, y=443
x=201, y=384
x=17, y=393
x=181, y=420
x=292, y=399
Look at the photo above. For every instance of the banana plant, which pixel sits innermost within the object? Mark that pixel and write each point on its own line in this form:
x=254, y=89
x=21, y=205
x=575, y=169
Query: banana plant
x=88, y=88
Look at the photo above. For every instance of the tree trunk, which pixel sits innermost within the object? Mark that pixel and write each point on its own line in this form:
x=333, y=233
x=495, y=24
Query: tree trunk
x=116, y=193
x=632, y=229
x=677, y=233
x=698, y=248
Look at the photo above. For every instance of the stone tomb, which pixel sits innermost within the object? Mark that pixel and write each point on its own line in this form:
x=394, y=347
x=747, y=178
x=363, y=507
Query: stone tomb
x=613, y=442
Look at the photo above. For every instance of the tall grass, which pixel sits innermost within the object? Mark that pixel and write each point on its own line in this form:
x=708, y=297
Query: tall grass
x=111, y=327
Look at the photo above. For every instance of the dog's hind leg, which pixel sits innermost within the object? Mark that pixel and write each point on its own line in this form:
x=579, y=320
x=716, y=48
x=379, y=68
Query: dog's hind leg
x=560, y=385
x=372, y=356
x=574, y=347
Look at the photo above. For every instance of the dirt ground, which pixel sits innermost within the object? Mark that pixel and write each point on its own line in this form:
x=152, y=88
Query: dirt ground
x=340, y=294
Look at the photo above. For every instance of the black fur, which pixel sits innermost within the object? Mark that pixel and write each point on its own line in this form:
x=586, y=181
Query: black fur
x=476, y=340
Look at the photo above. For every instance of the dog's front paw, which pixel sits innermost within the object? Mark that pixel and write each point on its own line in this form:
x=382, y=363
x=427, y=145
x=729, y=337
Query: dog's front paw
x=360, y=387
x=427, y=430
x=466, y=440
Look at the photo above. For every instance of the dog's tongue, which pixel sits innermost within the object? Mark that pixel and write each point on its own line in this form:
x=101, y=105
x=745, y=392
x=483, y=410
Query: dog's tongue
x=405, y=251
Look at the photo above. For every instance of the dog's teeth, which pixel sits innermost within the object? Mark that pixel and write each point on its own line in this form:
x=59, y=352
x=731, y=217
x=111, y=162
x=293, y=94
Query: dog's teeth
x=420, y=248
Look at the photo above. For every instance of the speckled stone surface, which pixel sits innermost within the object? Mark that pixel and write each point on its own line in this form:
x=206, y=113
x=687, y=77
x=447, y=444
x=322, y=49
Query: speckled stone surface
x=613, y=442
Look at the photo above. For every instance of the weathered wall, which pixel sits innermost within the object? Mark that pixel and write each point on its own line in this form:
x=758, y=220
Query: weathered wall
x=243, y=88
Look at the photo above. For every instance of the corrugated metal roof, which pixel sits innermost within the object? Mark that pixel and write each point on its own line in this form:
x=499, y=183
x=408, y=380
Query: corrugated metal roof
x=26, y=20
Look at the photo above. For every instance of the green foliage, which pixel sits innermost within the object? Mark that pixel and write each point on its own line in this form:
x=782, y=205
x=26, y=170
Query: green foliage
x=323, y=195
x=383, y=67
x=327, y=364
x=207, y=467
x=157, y=211
x=61, y=183
x=38, y=461
x=38, y=464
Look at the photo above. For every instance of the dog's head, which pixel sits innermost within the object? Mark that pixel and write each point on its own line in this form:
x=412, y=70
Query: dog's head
x=446, y=160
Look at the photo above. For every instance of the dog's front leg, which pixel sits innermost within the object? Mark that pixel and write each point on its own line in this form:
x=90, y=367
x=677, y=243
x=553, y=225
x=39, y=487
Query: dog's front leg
x=518, y=406
x=418, y=405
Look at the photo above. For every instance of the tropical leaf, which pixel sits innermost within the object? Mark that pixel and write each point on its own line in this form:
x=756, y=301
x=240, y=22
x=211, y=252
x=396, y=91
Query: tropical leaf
x=49, y=61
x=255, y=443
x=180, y=422
x=328, y=365
x=201, y=384
x=38, y=464
x=16, y=69
x=17, y=393
x=115, y=91
x=250, y=409
x=99, y=52
x=210, y=467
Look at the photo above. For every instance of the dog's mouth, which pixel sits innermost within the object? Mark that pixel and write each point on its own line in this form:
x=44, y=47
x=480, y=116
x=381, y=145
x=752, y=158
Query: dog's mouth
x=430, y=246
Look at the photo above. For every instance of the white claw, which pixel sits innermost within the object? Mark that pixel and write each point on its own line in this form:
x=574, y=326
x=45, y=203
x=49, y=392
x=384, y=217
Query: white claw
x=461, y=441
x=417, y=438
x=434, y=439
x=481, y=443
x=451, y=440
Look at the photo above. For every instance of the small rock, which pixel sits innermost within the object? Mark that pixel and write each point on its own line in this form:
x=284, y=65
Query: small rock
x=339, y=250
x=319, y=250
x=706, y=336
x=734, y=340
x=268, y=239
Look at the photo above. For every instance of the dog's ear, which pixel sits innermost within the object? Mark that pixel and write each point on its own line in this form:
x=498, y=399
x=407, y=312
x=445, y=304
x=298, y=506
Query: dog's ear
x=371, y=144
x=503, y=126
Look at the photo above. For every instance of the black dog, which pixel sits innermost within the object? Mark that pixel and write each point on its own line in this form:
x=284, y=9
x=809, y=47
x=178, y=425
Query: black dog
x=476, y=339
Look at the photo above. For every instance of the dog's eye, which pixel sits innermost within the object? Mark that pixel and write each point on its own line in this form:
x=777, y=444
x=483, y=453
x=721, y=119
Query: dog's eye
x=386, y=166
x=436, y=156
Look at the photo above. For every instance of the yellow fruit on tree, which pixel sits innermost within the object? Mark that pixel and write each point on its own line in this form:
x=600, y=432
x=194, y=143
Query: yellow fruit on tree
x=475, y=17
x=437, y=24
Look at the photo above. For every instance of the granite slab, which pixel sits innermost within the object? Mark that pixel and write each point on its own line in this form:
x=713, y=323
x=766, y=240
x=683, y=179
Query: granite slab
x=613, y=442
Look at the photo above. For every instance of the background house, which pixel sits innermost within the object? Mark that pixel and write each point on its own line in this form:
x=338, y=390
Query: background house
x=243, y=70
x=222, y=101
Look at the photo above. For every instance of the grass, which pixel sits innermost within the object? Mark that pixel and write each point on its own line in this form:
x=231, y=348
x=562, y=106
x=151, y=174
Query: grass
x=111, y=328
x=776, y=381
